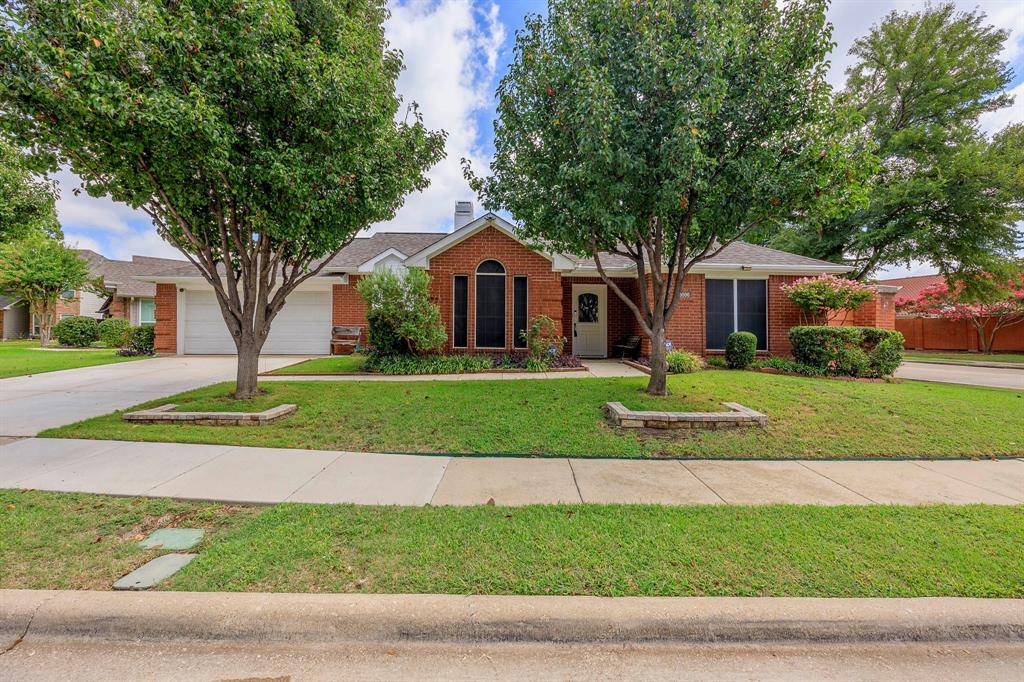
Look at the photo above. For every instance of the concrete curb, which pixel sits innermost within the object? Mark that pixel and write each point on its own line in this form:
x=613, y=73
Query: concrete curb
x=326, y=618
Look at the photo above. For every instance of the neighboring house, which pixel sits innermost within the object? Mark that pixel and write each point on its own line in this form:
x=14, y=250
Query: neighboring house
x=13, y=318
x=932, y=333
x=488, y=285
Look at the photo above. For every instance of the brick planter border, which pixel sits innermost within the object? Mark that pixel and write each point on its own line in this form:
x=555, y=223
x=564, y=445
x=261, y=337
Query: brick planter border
x=737, y=416
x=164, y=415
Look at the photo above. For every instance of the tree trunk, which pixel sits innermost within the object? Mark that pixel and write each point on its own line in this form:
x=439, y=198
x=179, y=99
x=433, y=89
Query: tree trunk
x=658, y=385
x=246, y=379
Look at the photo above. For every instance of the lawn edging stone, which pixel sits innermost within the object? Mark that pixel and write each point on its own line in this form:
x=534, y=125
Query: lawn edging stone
x=164, y=414
x=737, y=416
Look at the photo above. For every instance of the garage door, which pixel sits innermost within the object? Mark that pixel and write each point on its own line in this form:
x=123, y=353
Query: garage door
x=303, y=327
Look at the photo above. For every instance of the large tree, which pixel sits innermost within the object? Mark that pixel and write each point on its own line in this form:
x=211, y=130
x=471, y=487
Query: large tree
x=664, y=130
x=944, y=193
x=27, y=200
x=38, y=270
x=259, y=136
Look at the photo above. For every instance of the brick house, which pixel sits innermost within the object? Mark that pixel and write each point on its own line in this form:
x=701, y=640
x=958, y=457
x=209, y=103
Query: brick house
x=488, y=285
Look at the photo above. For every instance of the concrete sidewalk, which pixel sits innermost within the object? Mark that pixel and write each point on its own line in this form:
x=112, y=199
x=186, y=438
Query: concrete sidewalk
x=269, y=475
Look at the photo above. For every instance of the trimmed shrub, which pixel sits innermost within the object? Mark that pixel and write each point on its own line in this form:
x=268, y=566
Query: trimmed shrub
x=848, y=351
x=401, y=317
x=682, y=362
x=740, y=349
x=114, y=331
x=79, y=331
x=785, y=365
x=141, y=341
x=716, y=361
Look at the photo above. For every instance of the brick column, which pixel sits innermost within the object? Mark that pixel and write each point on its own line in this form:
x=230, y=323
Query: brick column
x=166, y=318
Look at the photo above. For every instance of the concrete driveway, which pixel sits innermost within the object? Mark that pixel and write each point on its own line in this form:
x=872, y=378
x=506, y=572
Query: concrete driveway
x=995, y=377
x=30, y=404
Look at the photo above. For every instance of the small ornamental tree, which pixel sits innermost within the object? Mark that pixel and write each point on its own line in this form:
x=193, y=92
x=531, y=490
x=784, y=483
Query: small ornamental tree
x=39, y=270
x=400, y=314
x=27, y=201
x=259, y=136
x=662, y=131
x=990, y=308
x=820, y=297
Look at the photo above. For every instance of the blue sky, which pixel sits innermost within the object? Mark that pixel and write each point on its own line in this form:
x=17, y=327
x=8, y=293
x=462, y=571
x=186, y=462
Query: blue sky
x=455, y=53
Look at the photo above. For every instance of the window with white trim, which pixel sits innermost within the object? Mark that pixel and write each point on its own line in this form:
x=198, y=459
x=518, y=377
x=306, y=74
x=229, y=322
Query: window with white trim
x=147, y=311
x=735, y=305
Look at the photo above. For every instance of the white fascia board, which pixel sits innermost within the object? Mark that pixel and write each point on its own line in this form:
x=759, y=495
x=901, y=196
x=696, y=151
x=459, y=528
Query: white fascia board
x=720, y=269
x=421, y=259
x=369, y=265
x=318, y=282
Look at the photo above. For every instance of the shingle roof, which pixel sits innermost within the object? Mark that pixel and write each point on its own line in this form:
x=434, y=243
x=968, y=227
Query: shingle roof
x=122, y=277
x=911, y=287
x=737, y=253
x=7, y=300
x=363, y=249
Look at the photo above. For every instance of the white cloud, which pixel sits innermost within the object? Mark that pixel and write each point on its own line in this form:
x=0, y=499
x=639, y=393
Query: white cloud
x=82, y=241
x=995, y=121
x=450, y=52
x=915, y=268
x=87, y=213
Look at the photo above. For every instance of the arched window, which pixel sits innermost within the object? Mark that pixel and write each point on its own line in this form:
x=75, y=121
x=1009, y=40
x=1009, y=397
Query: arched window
x=490, y=305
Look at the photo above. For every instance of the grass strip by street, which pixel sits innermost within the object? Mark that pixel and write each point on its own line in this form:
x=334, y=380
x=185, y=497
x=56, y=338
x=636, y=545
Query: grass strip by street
x=53, y=540
x=964, y=358
x=19, y=358
x=808, y=418
x=335, y=364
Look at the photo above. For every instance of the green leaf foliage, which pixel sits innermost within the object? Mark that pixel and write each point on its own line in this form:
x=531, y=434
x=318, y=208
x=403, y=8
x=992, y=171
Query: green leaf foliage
x=848, y=351
x=27, y=202
x=740, y=350
x=401, y=317
x=78, y=331
x=114, y=331
x=943, y=192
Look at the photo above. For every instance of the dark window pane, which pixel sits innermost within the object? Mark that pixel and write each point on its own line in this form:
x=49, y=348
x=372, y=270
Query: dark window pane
x=752, y=309
x=491, y=267
x=587, y=308
x=460, y=325
x=490, y=311
x=718, y=311
x=519, y=312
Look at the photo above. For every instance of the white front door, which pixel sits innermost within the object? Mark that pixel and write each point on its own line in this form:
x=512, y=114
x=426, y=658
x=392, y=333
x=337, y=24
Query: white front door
x=590, y=320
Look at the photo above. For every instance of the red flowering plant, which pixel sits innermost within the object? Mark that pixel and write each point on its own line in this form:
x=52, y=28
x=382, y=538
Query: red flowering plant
x=989, y=302
x=820, y=297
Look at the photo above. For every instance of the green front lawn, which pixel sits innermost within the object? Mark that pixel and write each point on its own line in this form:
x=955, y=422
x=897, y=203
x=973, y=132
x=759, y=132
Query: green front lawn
x=955, y=358
x=18, y=358
x=808, y=418
x=335, y=364
x=51, y=540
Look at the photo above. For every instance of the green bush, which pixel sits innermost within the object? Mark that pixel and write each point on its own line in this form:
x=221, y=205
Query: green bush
x=541, y=340
x=114, y=331
x=682, y=362
x=141, y=341
x=716, y=361
x=848, y=351
x=786, y=365
x=401, y=317
x=740, y=349
x=79, y=331
x=427, y=364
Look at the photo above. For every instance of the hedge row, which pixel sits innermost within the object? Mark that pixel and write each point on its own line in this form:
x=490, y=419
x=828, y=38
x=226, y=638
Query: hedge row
x=848, y=351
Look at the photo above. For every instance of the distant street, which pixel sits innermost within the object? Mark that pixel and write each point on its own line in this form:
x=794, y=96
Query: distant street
x=996, y=377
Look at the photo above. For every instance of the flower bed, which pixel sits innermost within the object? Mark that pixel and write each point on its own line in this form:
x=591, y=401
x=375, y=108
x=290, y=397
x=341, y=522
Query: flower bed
x=466, y=363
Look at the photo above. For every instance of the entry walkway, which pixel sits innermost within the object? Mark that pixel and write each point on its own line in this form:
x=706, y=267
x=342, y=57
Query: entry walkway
x=268, y=475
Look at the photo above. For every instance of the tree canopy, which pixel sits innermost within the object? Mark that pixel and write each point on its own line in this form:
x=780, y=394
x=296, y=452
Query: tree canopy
x=259, y=136
x=39, y=269
x=662, y=131
x=944, y=193
x=27, y=200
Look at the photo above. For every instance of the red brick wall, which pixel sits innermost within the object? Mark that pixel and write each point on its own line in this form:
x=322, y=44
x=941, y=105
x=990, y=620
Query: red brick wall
x=922, y=333
x=118, y=307
x=166, y=318
x=544, y=289
x=686, y=328
x=348, y=307
x=68, y=307
x=878, y=311
x=782, y=314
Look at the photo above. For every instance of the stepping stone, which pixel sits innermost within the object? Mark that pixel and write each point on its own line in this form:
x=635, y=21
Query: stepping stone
x=173, y=538
x=149, y=574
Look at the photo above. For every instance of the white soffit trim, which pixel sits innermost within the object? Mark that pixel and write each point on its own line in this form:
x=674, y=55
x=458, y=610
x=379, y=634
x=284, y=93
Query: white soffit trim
x=369, y=265
x=318, y=282
x=421, y=259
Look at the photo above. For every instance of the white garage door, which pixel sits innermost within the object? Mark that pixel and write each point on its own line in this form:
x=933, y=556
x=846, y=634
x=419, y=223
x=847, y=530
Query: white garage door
x=303, y=327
